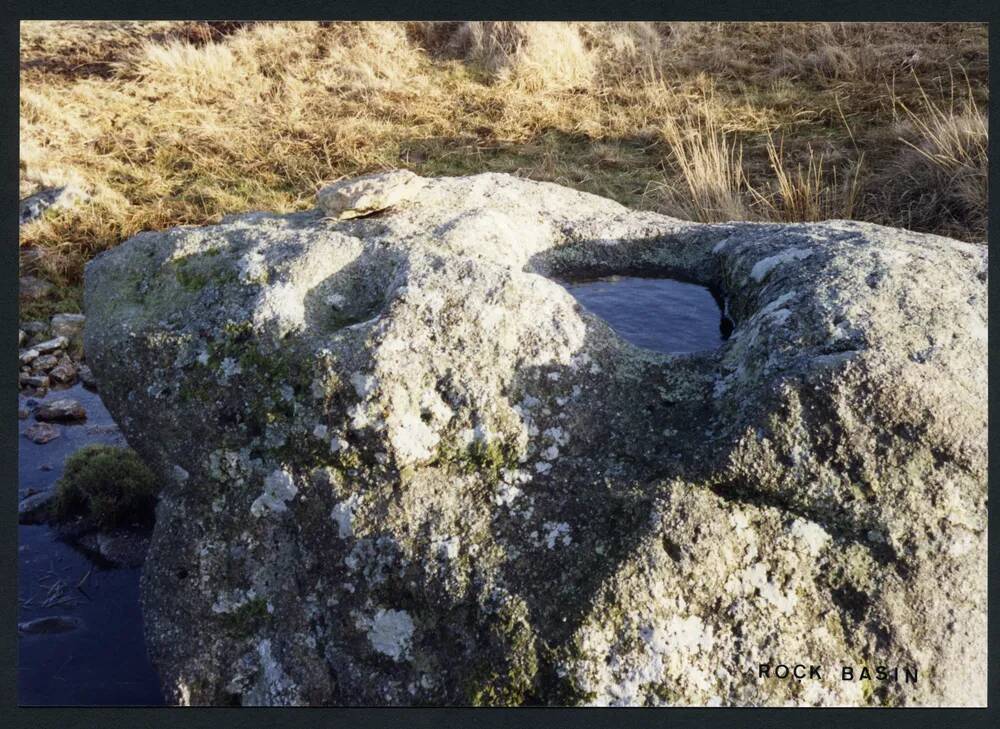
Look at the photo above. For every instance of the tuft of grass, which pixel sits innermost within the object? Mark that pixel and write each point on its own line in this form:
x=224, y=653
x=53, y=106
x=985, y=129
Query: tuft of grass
x=710, y=168
x=811, y=193
x=108, y=485
x=937, y=179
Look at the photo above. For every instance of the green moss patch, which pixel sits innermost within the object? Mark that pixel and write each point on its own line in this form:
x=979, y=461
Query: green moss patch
x=109, y=485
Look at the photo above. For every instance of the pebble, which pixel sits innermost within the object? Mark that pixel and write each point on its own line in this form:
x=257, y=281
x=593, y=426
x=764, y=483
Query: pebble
x=50, y=624
x=21, y=336
x=51, y=345
x=33, y=508
x=64, y=409
x=64, y=373
x=28, y=355
x=46, y=362
x=39, y=381
x=42, y=433
x=23, y=413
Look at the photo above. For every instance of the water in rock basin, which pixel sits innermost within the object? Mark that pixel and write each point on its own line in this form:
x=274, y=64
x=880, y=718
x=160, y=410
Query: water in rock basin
x=91, y=651
x=661, y=314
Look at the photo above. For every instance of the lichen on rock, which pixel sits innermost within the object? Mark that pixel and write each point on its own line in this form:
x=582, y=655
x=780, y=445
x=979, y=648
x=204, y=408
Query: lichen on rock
x=443, y=482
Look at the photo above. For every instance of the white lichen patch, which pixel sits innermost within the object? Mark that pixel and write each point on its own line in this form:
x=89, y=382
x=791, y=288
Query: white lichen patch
x=506, y=494
x=811, y=534
x=343, y=515
x=279, y=488
x=764, y=266
x=363, y=384
x=556, y=533
x=411, y=438
x=390, y=632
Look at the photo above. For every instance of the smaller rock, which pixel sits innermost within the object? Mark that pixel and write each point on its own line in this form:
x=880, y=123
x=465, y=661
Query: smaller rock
x=87, y=377
x=38, y=381
x=33, y=509
x=368, y=194
x=69, y=326
x=65, y=409
x=42, y=433
x=50, y=624
x=32, y=288
x=21, y=336
x=28, y=356
x=63, y=373
x=44, y=363
x=23, y=413
x=32, y=207
x=51, y=345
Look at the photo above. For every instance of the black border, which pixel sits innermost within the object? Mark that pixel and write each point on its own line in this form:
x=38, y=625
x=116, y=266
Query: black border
x=801, y=10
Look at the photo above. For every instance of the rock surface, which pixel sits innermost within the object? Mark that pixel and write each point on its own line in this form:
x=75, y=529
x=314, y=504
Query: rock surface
x=63, y=410
x=368, y=194
x=404, y=466
x=42, y=433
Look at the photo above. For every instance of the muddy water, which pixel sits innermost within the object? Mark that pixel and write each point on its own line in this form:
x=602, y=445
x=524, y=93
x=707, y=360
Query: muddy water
x=661, y=314
x=93, y=653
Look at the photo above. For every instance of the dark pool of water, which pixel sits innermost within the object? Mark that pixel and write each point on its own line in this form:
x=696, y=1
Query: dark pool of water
x=661, y=314
x=101, y=661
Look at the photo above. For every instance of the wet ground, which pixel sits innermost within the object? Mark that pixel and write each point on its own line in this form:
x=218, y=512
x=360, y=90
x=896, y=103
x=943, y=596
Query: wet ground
x=80, y=636
x=661, y=314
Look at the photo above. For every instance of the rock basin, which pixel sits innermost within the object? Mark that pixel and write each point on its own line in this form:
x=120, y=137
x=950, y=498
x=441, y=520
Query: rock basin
x=406, y=467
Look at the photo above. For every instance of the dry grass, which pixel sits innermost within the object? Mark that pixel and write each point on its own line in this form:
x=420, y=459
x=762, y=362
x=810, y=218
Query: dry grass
x=168, y=123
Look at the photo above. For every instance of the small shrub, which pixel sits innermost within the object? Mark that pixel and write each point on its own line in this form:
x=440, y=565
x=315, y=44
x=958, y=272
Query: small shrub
x=108, y=485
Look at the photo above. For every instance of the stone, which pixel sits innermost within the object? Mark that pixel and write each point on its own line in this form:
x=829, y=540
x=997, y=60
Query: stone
x=63, y=373
x=368, y=194
x=402, y=465
x=69, y=326
x=32, y=288
x=27, y=356
x=50, y=624
x=86, y=377
x=44, y=363
x=32, y=207
x=32, y=380
x=64, y=409
x=34, y=508
x=50, y=345
x=23, y=413
x=21, y=337
x=41, y=433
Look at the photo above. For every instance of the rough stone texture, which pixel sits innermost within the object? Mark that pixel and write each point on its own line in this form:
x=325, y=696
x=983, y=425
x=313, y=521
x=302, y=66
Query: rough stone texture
x=406, y=467
x=42, y=433
x=65, y=409
x=368, y=194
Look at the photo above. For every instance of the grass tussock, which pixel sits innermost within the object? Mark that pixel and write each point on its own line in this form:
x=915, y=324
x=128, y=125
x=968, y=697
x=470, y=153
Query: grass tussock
x=109, y=486
x=169, y=123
